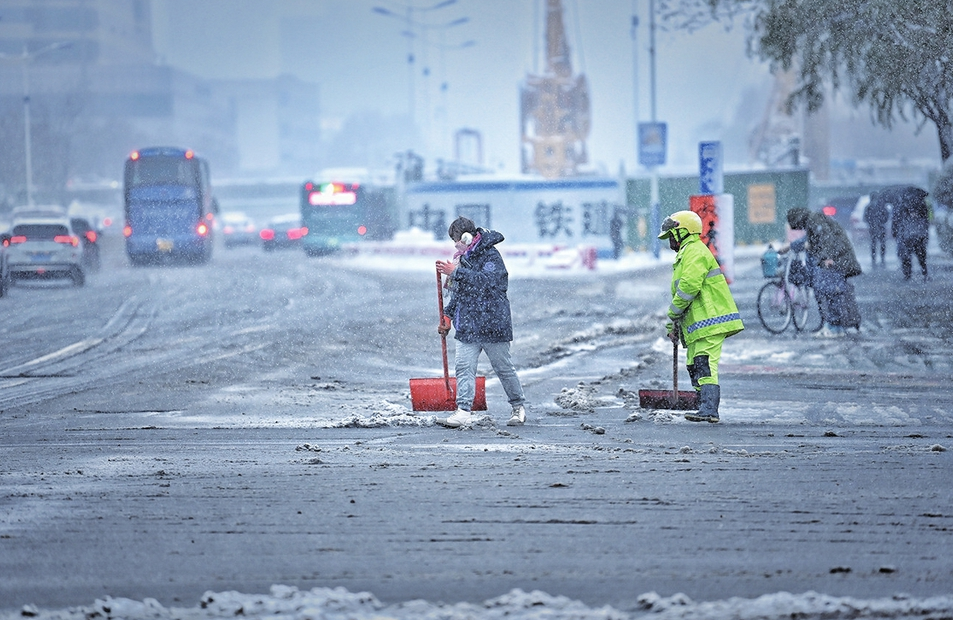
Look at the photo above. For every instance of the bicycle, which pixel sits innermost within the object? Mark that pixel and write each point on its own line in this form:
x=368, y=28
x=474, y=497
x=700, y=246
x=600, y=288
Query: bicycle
x=786, y=299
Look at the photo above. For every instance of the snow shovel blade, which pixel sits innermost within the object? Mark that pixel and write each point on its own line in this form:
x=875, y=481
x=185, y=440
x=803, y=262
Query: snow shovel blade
x=666, y=399
x=432, y=394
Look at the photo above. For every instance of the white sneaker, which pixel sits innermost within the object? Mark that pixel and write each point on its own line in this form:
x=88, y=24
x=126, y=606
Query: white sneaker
x=460, y=417
x=518, y=416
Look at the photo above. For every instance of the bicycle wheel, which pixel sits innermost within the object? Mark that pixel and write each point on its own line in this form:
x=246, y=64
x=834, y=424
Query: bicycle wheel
x=774, y=307
x=807, y=311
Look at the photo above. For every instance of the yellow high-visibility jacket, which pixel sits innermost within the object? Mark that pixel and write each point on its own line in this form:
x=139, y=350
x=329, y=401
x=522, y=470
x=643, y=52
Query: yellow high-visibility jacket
x=701, y=301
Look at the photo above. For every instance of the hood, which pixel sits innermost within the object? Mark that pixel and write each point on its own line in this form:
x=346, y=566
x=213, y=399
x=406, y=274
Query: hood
x=489, y=238
x=797, y=218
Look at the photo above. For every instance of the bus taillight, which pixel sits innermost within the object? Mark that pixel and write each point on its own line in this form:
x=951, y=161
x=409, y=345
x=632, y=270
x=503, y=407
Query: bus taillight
x=127, y=231
x=362, y=230
x=202, y=229
x=134, y=155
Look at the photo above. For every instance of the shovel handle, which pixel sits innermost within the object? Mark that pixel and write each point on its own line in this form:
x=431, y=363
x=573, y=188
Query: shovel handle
x=443, y=337
x=675, y=371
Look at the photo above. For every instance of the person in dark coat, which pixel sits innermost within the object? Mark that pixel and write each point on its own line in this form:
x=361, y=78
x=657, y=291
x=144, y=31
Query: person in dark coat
x=479, y=310
x=911, y=229
x=615, y=234
x=832, y=255
x=876, y=215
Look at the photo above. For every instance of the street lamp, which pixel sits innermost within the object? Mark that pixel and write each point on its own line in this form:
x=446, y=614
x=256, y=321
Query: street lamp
x=412, y=24
x=25, y=58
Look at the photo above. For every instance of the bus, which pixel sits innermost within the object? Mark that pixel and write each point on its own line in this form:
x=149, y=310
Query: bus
x=337, y=213
x=168, y=206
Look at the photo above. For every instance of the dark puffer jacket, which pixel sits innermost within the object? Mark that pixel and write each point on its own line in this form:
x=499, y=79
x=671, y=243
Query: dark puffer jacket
x=478, y=305
x=826, y=239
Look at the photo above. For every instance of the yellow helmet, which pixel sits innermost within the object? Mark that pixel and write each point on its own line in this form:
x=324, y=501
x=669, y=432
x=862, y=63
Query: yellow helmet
x=687, y=220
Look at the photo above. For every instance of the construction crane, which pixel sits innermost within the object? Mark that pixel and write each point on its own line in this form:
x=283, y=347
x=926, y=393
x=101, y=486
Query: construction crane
x=554, y=108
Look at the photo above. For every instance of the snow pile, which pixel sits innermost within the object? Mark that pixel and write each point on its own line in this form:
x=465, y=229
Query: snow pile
x=289, y=603
x=383, y=414
x=581, y=398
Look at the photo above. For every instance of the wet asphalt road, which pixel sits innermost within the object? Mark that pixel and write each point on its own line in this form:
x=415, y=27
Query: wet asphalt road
x=162, y=433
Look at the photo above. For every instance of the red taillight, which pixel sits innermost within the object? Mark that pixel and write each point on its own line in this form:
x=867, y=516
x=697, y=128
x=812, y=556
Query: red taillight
x=107, y=221
x=201, y=229
x=127, y=231
x=189, y=154
x=91, y=236
x=67, y=239
x=829, y=210
x=134, y=155
x=267, y=234
x=18, y=239
x=228, y=230
x=296, y=233
x=362, y=230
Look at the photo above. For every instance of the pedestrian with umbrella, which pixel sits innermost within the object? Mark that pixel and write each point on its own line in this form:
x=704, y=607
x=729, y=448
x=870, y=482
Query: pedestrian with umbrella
x=911, y=228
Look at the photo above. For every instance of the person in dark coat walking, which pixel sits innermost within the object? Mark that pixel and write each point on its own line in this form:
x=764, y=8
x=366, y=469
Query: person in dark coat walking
x=911, y=229
x=480, y=312
x=834, y=261
x=876, y=215
x=616, y=225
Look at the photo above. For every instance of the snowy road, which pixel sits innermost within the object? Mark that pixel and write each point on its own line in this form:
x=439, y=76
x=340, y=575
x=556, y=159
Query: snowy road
x=170, y=431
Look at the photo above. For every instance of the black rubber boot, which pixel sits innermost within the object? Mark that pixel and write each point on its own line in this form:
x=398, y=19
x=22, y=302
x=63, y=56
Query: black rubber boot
x=708, y=407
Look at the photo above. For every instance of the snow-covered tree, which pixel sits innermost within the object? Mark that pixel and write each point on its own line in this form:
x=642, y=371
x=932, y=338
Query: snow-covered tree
x=894, y=55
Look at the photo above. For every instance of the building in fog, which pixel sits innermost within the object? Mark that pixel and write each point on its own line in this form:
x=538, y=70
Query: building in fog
x=96, y=92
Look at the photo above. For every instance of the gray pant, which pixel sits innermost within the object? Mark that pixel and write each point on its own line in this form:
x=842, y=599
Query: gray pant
x=466, y=368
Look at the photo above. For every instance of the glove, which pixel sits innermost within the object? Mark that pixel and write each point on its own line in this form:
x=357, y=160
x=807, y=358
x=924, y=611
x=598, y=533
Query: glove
x=444, y=327
x=672, y=331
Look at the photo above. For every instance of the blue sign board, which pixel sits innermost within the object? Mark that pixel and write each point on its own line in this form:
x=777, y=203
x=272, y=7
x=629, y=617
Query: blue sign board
x=652, y=144
x=711, y=175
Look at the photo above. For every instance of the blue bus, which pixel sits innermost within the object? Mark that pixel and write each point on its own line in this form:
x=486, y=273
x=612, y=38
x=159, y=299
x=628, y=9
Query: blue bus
x=338, y=213
x=168, y=204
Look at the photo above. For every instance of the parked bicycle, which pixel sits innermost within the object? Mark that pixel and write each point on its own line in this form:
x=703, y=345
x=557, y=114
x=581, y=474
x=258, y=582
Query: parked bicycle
x=788, y=297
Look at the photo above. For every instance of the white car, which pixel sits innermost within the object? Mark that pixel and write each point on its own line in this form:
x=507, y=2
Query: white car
x=238, y=229
x=44, y=247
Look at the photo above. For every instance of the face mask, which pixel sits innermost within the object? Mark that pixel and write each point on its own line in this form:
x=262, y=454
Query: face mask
x=672, y=243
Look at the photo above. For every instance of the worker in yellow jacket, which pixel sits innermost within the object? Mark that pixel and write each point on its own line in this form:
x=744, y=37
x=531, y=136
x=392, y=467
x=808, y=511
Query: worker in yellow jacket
x=702, y=313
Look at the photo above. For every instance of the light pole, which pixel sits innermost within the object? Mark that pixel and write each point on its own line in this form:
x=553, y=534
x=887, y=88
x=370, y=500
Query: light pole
x=25, y=58
x=444, y=87
x=412, y=24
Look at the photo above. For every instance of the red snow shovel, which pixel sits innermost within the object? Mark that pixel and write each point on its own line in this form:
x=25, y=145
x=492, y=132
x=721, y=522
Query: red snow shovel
x=670, y=399
x=441, y=394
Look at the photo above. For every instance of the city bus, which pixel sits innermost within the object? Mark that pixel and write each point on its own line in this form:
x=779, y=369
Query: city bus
x=168, y=206
x=338, y=213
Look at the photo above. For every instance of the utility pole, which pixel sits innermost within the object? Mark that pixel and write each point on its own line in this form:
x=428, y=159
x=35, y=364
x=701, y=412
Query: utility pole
x=656, y=216
x=24, y=59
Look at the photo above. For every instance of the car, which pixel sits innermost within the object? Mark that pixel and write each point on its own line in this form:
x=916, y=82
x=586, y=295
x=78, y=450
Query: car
x=840, y=208
x=44, y=246
x=284, y=231
x=89, y=237
x=237, y=229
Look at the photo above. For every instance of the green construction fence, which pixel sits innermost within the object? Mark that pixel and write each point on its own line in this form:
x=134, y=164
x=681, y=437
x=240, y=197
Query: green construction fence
x=762, y=200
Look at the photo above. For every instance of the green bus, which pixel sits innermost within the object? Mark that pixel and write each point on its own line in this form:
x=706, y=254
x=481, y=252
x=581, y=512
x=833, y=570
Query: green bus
x=335, y=214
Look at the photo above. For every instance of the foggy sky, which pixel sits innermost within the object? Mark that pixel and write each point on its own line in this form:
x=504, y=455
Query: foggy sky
x=707, y=88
